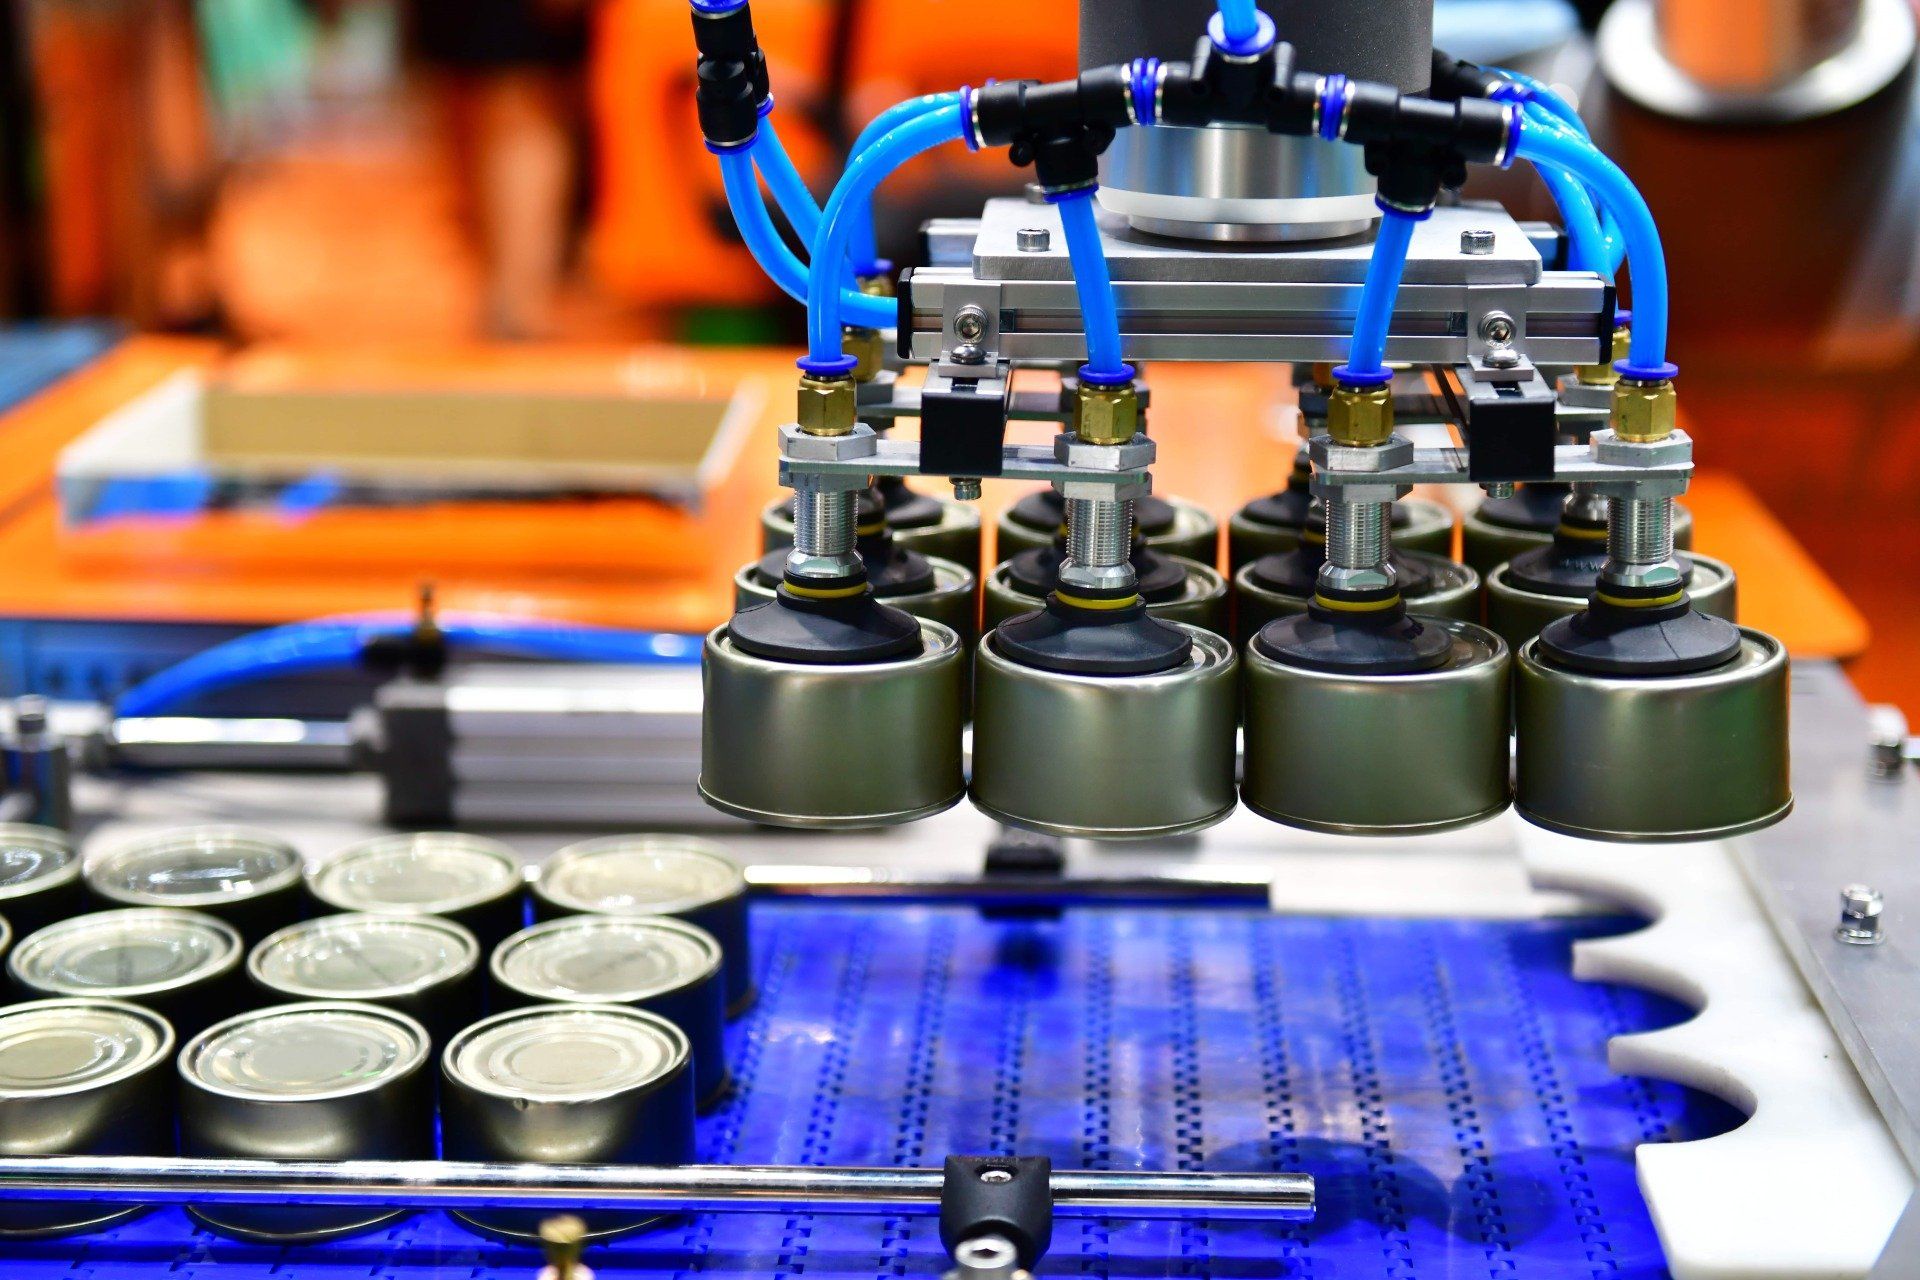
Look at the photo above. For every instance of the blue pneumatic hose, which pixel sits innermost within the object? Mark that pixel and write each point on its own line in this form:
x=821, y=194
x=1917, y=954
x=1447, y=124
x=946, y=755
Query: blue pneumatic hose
x=315, y=646
x=1094, y=284
x=855, y=189
x=1646, y=260
x=771, y=252
x=1590, y=249
x=1366, y=358
x=862, y=247
x=1240, y=19
x=789, y=189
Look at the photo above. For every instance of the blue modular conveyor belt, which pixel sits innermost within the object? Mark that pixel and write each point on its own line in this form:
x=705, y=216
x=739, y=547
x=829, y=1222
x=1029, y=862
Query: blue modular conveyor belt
x=1444, y=1080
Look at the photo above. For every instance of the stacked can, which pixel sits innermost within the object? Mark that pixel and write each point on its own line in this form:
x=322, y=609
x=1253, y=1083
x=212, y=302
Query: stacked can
x=476, y=882
x=656, y=875
x=184, y=965
x=81, y=1078
x=326, y=1080
x=247, y=878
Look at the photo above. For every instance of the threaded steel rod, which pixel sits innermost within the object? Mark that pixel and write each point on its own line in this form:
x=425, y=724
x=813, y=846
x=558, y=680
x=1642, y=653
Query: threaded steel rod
x=1640, y=543
x=1099, y=545
x=438, y=1184
x=1356, y=534
x=824, y=534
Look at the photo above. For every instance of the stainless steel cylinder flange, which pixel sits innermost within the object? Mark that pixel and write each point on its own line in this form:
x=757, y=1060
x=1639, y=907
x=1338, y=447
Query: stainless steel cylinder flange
x=1518, y=613
x=937, y=527
x=1171, y=526
x=1364, y=754
x=1252, y=532
x=826, y=745
x=1109, y=757
x=1696, y=756
x=1439, y=588
x=951, y=602
x=1200, y=601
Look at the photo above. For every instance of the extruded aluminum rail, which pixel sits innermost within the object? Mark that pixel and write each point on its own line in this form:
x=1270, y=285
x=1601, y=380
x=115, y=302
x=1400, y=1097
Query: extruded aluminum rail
x=445, y=1184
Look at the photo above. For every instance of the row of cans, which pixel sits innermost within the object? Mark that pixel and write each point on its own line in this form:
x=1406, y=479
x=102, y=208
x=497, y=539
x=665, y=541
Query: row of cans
x=258, y=883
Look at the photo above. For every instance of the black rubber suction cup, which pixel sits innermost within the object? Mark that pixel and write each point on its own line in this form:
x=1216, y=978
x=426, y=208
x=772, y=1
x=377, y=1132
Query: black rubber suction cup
x=1644, y=640
x=1569, y=567
x=1036, y=572
x=907, y=509
x=1287, y=509
x=1124, y=641
x=832, y=631
x=1045, y=509
x=1295, y=572
x=1356, y=641
x=1533, y=507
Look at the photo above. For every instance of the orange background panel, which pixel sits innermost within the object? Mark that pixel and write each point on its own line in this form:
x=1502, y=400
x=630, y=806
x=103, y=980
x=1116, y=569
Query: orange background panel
x=1225, y=433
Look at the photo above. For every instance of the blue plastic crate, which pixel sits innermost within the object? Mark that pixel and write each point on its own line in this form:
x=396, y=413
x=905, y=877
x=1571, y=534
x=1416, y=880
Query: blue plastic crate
x=1444, y=1080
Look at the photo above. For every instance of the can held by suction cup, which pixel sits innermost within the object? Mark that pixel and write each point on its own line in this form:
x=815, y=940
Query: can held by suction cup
x=656, y=875
x=1433, y=587
x=39, y=876
x=247, y=878
x=324, y=1080
x=1199, y=600
x=1697, y=756
x=656, y=963
x=897, y=724
x=469, y=879
x=422, y=966
x=950, y=603
x=1518, y=613
x=1107, y=756
x=1171, y=526
x=1267, y=525
x=82, y=1078
x=1367, y=754
x=184, y=965
x=568, y=1084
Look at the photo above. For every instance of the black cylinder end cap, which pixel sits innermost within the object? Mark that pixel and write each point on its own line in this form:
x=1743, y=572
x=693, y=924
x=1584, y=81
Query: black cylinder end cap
x=1376, y=642
x=1533, y=507
x=840, y=632
x=1093, y=642
x=1648, y=640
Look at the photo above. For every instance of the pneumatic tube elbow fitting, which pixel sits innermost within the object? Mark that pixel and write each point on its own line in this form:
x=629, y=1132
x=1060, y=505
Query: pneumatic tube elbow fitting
x=731, y=73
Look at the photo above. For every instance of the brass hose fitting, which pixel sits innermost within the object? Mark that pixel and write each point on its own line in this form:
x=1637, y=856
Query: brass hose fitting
x=827, y=405
x=868, y=347
x=1604, y=374
x=1360, y=417
x=1107, y=415
x=1644, y=412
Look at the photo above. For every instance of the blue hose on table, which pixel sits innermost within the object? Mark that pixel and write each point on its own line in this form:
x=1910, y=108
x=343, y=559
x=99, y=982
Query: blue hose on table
x=763, y=240
x=1094, y=284
x=1366, y=358
x=825, y=300
x=314, y=646
x=1558, y=148
x=862, y=247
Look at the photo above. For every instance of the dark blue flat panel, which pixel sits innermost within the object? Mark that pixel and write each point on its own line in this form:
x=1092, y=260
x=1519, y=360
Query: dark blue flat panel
x=1445, y=1081
x=34, y=356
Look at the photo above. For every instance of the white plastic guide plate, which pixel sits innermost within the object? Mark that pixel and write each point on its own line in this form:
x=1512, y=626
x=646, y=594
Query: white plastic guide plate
x=1812, y=1184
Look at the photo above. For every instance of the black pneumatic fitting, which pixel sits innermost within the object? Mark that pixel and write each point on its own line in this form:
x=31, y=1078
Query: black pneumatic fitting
x=1474, y=129
x=1455, y=79
x=1059, y=127
x=731, y=73
x=1219, y=88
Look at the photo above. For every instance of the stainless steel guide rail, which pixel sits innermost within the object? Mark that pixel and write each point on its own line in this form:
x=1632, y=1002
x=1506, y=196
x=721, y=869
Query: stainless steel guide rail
x=446, y=1184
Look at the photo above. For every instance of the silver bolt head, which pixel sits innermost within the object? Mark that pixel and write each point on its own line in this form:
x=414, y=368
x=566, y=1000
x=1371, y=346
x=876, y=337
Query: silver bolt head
x=966, y=489
x=1033, y=239
x=970, y=323
x=1476, y=241
x=969, y=353
x=1860, y=908
x=1497, y=327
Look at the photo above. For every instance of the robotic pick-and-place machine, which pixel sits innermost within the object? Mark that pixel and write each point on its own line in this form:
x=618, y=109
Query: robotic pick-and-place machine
x=1217, y=184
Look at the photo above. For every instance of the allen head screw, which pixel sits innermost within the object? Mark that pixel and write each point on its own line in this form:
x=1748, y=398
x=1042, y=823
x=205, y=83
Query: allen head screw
x=1477, y=242
x=970, y=324
x=1860, y=916
x=1033, y=239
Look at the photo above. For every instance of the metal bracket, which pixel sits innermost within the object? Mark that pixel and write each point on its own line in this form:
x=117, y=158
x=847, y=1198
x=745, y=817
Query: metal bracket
x=1028, y=462
x=1572, y=464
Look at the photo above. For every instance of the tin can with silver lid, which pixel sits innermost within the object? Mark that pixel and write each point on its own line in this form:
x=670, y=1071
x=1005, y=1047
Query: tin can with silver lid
x=656, y=875
x=422, y=966
x=657, y=963
x=324, y=1080
x=247, y=878
x=184, y=965
x=6, y=944
x=469, y=879
x=39, y=876
x=568, y=1084
x=81, y=1078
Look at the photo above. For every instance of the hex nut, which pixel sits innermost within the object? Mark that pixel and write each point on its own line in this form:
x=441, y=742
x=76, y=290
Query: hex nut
x=827, y=406
x=1644, y=411
x=1107, y=415
x=1104, y=490
x=1360, y=416
x=797, y=443
x=1135, y=455
x=1392, y=451
x=1611, y=448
